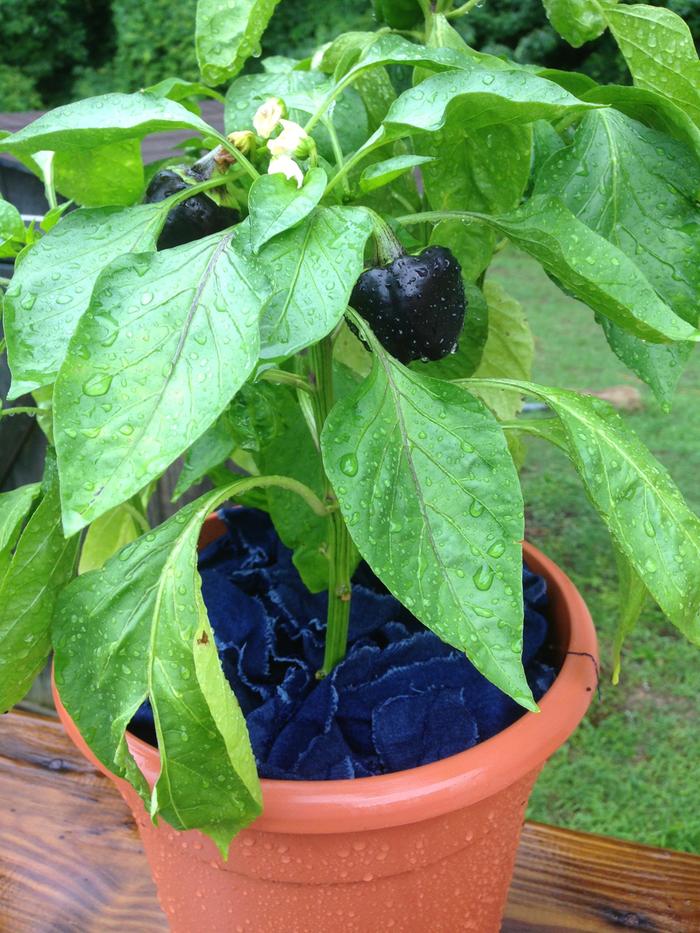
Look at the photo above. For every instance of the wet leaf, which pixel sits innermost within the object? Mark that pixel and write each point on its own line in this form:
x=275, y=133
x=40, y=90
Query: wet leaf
x=40, y=567
x=639, y=191
x=632, y=596
x=228, y=34
x=102, y=176
x=313, y=269
x=592, y=269
x=14, y=508
x=108, y=534
x=167, y=341
x=276, y=204
x=384, y=172
x=432, y=500
x=660, y=52
x=577, y=21
x=138, y=629
x=51, y=287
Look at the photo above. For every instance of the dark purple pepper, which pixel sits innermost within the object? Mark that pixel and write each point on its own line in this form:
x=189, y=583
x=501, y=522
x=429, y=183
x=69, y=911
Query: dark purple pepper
x=189, y=220
x=415, y=305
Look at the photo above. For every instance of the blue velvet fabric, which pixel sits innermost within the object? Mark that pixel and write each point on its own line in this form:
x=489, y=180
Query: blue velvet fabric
x=399, y=699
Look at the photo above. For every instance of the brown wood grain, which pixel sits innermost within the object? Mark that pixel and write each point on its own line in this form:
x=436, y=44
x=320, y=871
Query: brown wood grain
x=70, y=859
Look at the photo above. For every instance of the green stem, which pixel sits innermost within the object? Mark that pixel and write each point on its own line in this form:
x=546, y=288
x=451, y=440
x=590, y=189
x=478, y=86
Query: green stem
x=239, y=157
x=340, y=546
x=281, y=377
x=20, y=410
x=435, y=216
x=376, y=140
x=463, y=9
x=216, y=181
x=338, y=153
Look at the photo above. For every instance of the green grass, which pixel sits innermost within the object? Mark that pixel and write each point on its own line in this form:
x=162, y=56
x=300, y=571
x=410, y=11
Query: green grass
x=631, y=768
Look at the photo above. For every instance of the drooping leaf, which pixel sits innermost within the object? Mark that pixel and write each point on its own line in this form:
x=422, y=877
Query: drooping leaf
x=313, y=269
x=99, y=121
x=632, y=596
x=101, y=176
x=577, y=21
x=138, y=629
x=480, y=97
x=398, y=451
x=228, y=34
x=384, y=172
x=471, y=346
x=480, y=170
x=51, y=287
x=42, y=564
x=660, y=52
x=633, y=493
x=276, y=204
x=182, y=325
x=106, y=535
x=594, y=270
x=638, y=191
x=508, y=353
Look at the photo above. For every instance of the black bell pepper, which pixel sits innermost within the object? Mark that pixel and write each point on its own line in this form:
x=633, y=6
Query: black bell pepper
x=415, y=305
x=189, y=220
x=399, y=14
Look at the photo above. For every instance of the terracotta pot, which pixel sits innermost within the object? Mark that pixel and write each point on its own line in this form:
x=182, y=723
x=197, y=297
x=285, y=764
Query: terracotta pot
x=431, y=849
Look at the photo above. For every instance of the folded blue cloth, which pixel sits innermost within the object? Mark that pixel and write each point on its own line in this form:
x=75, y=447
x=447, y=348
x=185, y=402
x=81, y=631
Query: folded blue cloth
x=400, y=698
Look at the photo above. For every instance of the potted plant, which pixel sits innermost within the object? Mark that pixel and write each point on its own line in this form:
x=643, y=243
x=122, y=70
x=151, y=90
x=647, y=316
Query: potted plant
x=307, y=296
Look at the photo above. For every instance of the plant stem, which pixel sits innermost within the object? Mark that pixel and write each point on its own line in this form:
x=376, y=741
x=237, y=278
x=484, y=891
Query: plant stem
x=340, y=546
x=338, y=153
x=21, y=410
x=282, y=377
x=463, y=10
x=377, y=139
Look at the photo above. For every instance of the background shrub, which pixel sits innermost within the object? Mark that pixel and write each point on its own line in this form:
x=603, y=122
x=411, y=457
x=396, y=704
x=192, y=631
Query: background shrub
x=55, y=52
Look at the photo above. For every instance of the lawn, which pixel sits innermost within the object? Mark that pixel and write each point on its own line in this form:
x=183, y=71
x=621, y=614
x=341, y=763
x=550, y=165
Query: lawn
x=631, y=769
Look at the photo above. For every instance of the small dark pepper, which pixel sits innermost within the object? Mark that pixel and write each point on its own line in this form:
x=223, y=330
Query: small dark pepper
x=189, y=220
x=415, y=305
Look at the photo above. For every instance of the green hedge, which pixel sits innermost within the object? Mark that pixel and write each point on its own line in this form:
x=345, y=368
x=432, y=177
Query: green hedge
x=57, y=51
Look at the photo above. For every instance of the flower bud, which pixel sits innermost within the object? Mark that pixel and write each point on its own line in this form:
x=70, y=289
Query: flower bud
x=284, y=165
x=243, y=140
x=268, y=115
x=292, y=141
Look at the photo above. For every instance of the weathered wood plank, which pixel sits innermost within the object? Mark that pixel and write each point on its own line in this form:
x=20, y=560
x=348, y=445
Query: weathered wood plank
x=70, y=859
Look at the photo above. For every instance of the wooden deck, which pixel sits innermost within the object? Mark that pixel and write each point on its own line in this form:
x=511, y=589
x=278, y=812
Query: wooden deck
x=70, y=858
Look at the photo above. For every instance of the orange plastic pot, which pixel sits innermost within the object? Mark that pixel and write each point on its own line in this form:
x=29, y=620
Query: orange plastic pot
x=428, y=849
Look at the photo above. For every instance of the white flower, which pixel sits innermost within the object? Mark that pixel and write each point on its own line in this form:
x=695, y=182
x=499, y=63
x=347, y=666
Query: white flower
x=293, y=140
x=284, y=165
x=268, y=116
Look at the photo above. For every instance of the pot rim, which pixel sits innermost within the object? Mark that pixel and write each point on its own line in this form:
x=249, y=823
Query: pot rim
x=432, y=790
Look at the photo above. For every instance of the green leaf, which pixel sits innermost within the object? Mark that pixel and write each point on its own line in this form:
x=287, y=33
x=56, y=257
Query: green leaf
x=466, y=171
x=472, y=342
x=480, y=97
x=51, y=287
x=633, y=493
x=632, y=594
x=11, y=224
x=42, y=564
x=107, y=535
x=577, y=21
x=508, y=353
x=99, y=121
x=181, y=326
x=394, y=50
x=384, y=172
x=179, y=90
x=396, y=451
x=101, y=176
x=651, y=109
x=276, y=204
x=313, y=269
x=14, y=508
x=228, y=34
x=138, y=629
x=209, y=451
x=650, y=213
x=594, y=270
x=660, y=53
